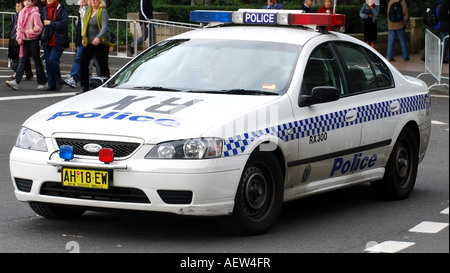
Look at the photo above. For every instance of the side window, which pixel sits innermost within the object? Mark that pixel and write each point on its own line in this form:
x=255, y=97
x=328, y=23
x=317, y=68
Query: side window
x=322, y=69
x=360, y=73
x=383, y=76
x=366, y=71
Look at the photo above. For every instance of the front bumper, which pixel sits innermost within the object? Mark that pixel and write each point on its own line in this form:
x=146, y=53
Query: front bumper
x=155, y=184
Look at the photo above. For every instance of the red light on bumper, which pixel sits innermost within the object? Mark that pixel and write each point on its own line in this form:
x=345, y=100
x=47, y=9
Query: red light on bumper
x=106, y=155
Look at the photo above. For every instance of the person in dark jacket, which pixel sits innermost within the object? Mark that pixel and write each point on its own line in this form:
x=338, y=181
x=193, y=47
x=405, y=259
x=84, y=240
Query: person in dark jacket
x=443, y=28
x=147, y=30
x=307, y=5
x=369, y=15
x=56, y=17
x=75, y=73
x=272, y=4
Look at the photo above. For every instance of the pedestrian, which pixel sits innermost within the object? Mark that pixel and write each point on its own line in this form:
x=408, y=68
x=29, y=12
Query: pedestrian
x=56, y=18
x=29, y=27
x=14, y=48
x=273, y=4
x=398, y=22
x=307, y=5
x=75, y=73
x=41, y=4
x=431, y=19
x=327, y=7
x=443, y=28
x=147, y=29
x=95, y=35
x=369, y=17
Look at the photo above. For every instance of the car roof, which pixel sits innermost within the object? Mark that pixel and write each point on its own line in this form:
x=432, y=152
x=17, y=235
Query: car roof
x=290, y=35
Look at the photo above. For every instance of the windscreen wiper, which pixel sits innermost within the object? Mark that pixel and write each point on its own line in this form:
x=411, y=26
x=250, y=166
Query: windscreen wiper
x=156, y=88
x=248, y=92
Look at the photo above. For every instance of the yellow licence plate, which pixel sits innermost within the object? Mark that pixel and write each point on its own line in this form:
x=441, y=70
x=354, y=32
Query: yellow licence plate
x=83, y=178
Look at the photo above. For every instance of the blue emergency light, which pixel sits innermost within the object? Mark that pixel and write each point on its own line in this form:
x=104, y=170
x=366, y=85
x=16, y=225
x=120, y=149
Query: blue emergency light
x=205, y=16
x=66, y=152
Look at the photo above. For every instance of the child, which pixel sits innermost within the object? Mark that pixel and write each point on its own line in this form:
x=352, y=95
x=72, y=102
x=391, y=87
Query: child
x=29, y=27
x=13, y=47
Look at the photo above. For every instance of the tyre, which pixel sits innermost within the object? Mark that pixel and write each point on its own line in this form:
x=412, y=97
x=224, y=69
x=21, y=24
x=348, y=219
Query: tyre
x=259, y=197
x=401, y=168
x=56, y=211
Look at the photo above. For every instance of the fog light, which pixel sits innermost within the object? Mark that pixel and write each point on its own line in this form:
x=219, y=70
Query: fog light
x=66, y=152
x=106, y=155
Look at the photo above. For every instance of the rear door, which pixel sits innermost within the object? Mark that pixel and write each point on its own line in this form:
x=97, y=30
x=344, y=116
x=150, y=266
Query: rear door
x=371, y=84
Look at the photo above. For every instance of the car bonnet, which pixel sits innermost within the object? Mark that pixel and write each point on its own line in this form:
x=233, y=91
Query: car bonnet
x=151, y=115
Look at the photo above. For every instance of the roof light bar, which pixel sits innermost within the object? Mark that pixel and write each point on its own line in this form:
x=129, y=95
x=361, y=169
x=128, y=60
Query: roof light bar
x=268, y=17
x=206, y=16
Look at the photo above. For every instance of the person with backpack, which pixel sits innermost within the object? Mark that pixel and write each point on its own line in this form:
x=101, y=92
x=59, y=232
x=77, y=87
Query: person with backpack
x=398, y=21
x=431, y=19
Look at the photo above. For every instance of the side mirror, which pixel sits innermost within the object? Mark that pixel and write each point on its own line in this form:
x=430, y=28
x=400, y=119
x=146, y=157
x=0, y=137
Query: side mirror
x=319, y=94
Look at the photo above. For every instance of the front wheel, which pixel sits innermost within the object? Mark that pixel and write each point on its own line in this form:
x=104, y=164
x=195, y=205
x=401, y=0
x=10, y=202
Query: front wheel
x=259, y=197
x=401, y=168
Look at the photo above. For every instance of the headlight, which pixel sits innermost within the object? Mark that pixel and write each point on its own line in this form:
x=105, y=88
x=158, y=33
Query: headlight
x=29, y=139
x=195, y=148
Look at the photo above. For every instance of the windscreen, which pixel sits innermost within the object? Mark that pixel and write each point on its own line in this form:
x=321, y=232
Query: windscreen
x=211, y=65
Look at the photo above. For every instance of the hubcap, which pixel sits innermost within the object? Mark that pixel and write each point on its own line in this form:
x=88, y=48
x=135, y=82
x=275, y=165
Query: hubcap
x=403, y=170
x=256, y=191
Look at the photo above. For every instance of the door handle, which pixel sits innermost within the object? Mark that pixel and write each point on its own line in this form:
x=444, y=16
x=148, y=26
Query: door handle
x=394, y=106
x=351, y=115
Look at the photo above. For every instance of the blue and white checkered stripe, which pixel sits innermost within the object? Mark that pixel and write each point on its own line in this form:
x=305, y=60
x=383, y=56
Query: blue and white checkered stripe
x=324, y=123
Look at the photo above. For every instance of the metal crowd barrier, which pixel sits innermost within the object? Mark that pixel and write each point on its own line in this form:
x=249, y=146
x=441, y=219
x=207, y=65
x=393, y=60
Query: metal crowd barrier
x=434, y=55
x=158, y=30
x=126, y=31
x=5, y=28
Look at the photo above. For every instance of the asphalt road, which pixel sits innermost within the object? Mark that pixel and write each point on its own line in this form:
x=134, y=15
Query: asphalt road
x=351, y=220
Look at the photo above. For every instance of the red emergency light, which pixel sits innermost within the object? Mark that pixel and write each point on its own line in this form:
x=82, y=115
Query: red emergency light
x=318, y=19
x=106, y=155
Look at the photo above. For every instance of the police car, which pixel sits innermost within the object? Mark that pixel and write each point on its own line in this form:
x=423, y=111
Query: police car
x=229, y=121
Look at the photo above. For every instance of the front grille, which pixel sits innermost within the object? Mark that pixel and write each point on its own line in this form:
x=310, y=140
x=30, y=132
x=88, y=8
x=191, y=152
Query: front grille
x=23, y=184
x=121, y=149
x=176, y=197
x=114, y=194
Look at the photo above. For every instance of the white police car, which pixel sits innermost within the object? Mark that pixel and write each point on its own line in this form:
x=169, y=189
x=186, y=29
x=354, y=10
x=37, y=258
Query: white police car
x=231, y=122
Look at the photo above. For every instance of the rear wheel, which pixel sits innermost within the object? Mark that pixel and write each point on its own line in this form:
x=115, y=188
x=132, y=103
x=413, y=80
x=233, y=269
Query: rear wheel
x=56, y=211
x=401, y=168
x=259, y=197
